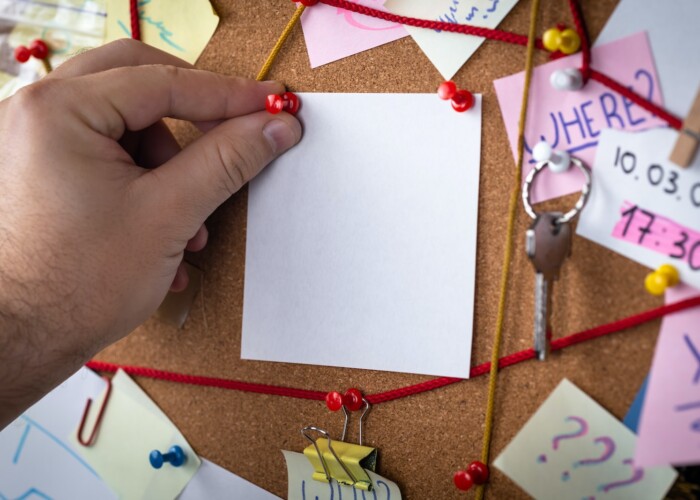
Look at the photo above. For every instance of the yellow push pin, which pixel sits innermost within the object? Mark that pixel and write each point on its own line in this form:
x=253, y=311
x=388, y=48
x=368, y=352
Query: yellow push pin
x=665, y=276
x=565, y=41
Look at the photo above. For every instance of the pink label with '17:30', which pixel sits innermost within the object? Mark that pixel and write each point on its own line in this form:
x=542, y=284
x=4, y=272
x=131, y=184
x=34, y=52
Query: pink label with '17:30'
x=659, y=234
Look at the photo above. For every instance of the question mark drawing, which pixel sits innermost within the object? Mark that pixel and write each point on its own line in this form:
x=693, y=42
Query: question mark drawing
x=581, y=431
x=607, y=453
x=637, y=475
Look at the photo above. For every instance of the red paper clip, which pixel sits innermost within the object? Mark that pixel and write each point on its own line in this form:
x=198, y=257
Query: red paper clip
x=90, y=441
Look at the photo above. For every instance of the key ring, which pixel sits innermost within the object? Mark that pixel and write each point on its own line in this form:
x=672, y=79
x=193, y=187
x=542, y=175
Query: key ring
x=568, y=216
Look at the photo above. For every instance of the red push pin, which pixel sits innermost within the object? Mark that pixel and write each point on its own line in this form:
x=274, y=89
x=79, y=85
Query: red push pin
x=463, y=480
x=306, y=3
x=38, y=49
x=334, y=401
x=288, y=102
x=476, y=473
x=352, y=399
x=462, y=100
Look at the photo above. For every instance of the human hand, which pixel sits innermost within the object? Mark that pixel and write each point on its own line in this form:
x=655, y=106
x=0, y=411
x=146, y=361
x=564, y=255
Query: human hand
x=98, y=203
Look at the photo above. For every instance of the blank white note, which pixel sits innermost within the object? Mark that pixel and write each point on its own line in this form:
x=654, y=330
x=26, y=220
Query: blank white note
x=361, y=241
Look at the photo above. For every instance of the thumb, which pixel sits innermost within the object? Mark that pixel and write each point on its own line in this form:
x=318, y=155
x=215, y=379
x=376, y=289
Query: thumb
x=208, y=171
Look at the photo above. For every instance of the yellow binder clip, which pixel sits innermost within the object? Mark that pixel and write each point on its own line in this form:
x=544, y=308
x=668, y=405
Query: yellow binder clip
x=344, y=462
x=347, y=463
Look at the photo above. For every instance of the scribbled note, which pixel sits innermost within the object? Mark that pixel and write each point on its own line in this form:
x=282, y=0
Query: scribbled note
x=180, y=27
x=302, y=487
x=332, y=33
x=642, y=205
x=449, y=51
x=573, y=121
x=37, y=460
x=573, y=448
x=669, y=426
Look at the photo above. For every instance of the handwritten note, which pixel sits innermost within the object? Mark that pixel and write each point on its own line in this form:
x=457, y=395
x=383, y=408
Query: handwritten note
x=216, y=483
x=180, y=27
x=573, y=121
x=449, y=51
x=672, y=29
x=131, y=428
x=37, y=460
x=573, y=448
x=361, y=245
x=332, y=33
x=644, y=206
x=669, y=426
x=302, y=487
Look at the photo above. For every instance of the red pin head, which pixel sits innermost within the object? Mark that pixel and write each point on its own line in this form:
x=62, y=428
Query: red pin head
x=334, y=401
x=22, y=54
x=352, y=399
x=463, y=480
x=288, y=102
x=39, y=49
x=479, y=472
x=462, y=100
x=446, y=90
x=306, y=3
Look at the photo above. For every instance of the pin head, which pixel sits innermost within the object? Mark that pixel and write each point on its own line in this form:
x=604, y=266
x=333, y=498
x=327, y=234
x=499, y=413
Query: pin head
x=22, y=54
x=665, y=276
x=479, y=472
x=463, y=480
x=39, y=49
x=334, y=401
x=352, y=399
x=288, y=102
x=175, y=456
x=446, y=90
x=462, y=100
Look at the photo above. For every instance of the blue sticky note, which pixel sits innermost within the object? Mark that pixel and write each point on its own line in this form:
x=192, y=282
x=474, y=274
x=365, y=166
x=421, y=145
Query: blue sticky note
x=632, y=418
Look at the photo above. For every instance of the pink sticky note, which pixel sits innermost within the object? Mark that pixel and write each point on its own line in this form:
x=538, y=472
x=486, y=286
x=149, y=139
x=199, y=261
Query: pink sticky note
x=669, y=428
x=332, y=33
x=572, y=120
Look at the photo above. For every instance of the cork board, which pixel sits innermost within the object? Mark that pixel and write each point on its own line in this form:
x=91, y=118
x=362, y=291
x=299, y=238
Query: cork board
x=422, y=440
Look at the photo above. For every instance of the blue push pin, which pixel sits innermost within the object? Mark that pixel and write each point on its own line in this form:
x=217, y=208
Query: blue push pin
x=175, y=456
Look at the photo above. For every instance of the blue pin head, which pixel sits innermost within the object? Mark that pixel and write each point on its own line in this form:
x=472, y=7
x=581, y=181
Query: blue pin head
x=175, y=456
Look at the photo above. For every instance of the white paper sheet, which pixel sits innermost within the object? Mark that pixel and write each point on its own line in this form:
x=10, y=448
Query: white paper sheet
x=216, y=483
x=36, y=458
x=361, y=240
x=673, y=33
x=632, y=169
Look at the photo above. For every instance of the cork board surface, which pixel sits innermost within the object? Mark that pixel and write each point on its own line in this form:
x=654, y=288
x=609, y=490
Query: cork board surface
x=423, y=439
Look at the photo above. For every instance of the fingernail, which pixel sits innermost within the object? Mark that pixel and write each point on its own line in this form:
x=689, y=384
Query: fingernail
x=280, y=135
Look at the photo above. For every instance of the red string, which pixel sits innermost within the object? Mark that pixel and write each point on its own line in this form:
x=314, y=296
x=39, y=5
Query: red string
x=429, y=385
x=508, y=37
x=135, y=24
x=465, y=29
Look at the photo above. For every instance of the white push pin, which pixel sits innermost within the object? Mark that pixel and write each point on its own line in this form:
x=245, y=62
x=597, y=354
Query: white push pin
x=566, y=79
x=558, y=161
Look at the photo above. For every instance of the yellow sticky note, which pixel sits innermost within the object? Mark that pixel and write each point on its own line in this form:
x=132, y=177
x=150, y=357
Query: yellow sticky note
x=180, y=27
x=133, y=426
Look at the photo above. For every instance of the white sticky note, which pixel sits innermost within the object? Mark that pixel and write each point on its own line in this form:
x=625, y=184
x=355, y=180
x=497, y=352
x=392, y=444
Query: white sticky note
x=449, y=51
x=36, y=458
x=216, y=483
x=361, y=240
x=642, y=205
x=302, y=487
x=573, y=448
x=133, y=426
x=672, y=29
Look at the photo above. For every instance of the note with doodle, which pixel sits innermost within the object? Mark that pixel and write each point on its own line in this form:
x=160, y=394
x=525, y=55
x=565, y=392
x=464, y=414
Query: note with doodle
x=302, y=487
x=181, y=27
x=449, y=51
x=37, y=460
x=642, y=205
x=573, y=121
x=573, y=448
x=670, y=421
x=132, y=426
x=332, y=33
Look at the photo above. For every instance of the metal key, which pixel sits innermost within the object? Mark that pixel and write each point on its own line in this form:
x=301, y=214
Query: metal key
x=547, y=244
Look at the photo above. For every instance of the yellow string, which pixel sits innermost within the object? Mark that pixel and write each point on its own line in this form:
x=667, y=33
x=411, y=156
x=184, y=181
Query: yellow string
x=508, y=254
x=283, y=38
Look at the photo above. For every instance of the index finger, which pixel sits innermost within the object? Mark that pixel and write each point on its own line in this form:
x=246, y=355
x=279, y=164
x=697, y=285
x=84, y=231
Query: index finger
x=139, y=96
